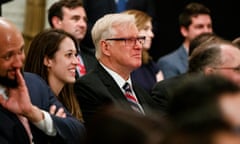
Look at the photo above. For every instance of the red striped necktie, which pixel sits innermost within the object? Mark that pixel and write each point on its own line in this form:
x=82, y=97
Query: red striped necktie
x=132, y=99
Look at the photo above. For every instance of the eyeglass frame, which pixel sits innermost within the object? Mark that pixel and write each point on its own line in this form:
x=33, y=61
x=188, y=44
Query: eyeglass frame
x=236, y=69
x=129, y=40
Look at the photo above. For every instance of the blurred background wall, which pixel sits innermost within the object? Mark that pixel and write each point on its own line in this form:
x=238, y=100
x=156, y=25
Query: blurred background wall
x=30, y=16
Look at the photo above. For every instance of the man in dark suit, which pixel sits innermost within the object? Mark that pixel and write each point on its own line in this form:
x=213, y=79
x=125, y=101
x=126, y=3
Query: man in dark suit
x=70, y=16
x=25, y=100
x=217, y=56
x=119, y=53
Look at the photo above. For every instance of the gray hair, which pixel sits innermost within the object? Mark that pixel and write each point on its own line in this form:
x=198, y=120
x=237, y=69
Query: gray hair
x=207, y=54
x=104, y=27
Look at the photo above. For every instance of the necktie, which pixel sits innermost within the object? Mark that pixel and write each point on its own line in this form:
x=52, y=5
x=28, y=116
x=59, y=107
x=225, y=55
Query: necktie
x=121, y=5
x=132, y=99
x=25, y=123
x=80, y=67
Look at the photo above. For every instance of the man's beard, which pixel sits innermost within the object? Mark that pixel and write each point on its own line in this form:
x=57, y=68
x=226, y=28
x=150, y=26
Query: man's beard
x=10, y=83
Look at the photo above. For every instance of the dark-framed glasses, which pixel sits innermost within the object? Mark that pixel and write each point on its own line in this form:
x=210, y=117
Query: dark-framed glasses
x=236, y=69
x=129, y=41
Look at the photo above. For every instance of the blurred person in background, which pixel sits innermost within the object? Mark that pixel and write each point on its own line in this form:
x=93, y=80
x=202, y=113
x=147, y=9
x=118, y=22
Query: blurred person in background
x=195, y=19
x=70, y=16
x=148, y=74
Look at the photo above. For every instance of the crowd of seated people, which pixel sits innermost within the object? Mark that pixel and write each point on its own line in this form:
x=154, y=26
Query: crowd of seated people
x=44, y=98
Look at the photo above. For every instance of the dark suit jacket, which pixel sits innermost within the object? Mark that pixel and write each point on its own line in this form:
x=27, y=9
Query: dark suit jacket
x=145, y=76
x=163, y=91
x=175, y=63
x=69, y=130
x=98, y=89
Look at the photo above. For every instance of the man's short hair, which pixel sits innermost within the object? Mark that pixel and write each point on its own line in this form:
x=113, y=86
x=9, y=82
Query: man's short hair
x=192, y=9
x=56, y=8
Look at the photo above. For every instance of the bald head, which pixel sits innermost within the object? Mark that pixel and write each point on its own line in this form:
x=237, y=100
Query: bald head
x=11, y=52
x=8, y=31
x=217, y=57
x=5, y=22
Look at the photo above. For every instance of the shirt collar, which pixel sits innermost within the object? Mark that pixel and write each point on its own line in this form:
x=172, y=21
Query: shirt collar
x=118, y=79
x=3, y=92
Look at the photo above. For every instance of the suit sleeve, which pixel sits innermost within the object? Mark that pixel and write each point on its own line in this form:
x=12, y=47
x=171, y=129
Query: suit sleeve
x=69, y=129
x=159, y=94
x=167, y=68
x=90, y=96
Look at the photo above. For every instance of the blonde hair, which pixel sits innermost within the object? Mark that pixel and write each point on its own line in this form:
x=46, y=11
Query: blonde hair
x=141, y=18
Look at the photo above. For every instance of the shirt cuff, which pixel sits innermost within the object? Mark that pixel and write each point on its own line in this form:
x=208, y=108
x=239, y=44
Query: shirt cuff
x=46, y=125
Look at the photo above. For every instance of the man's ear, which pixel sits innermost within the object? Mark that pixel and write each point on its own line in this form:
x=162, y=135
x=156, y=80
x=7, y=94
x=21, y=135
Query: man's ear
x=105, y=47
x=56, y=21
x=183, y=31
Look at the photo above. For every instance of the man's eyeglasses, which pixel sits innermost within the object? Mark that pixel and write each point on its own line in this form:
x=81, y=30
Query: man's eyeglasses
x=236, y=69
x=130, y=41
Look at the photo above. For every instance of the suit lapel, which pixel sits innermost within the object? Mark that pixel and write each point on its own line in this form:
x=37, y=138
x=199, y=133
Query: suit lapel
x=116, y=93
x=10, y=124
x=110, y=83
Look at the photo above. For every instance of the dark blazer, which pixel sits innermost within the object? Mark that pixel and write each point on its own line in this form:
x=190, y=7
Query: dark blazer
x=163, y=91
x=145, y=76
x=69, y=129
x=98, y=89
x=174, y=63
x=11, y=129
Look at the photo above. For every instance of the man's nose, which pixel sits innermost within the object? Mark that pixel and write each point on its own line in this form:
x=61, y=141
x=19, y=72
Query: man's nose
x=18, y=61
